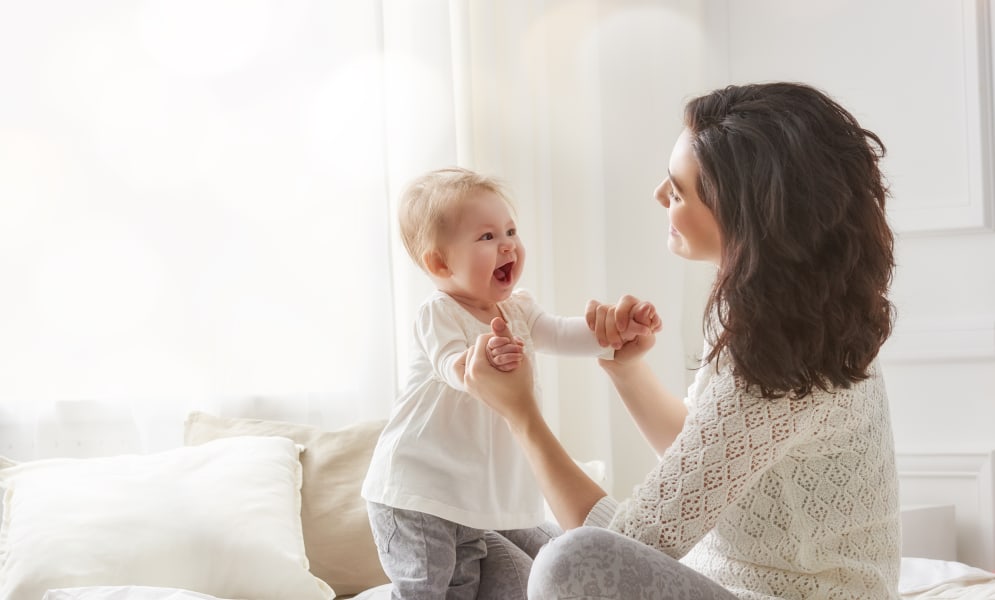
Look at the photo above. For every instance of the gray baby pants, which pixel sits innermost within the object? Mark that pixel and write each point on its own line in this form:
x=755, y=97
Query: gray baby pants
x=429, y=558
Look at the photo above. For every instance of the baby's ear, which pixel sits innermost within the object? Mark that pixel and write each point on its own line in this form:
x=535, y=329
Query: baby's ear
x=435, y=263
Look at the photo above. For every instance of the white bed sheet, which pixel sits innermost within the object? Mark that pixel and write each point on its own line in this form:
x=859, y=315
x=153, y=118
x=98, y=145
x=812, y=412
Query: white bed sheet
x=129, y=592
x=921, y=579
x=924, y=578
x=381, y=592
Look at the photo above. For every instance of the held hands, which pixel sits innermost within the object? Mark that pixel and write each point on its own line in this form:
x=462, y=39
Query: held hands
x=510, y=393
x=629, y=326
x=504, y=352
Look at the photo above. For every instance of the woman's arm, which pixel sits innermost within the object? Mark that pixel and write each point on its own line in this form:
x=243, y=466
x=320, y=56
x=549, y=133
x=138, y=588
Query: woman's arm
x=569, y=492
x=658, y=414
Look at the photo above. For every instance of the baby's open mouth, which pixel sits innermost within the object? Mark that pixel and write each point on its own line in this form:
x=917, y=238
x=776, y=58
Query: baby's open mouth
x=503, y=273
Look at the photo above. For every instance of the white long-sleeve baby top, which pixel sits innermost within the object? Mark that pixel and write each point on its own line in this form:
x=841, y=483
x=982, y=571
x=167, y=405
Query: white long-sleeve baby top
x=444, y=452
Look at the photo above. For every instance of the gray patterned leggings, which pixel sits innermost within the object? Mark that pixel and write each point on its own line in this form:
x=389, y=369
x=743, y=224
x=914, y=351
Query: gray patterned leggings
x=590, y=563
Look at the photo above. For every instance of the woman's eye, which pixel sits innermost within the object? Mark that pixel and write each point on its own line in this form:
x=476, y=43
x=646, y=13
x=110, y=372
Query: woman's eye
x=672, y=196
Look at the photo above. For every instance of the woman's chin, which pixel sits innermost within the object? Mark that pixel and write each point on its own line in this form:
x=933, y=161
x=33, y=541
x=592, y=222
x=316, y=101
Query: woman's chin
x=676, y=247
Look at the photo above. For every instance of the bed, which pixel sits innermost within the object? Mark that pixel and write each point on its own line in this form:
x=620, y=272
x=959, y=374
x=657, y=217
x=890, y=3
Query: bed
x=922, y=579
x=254, y=509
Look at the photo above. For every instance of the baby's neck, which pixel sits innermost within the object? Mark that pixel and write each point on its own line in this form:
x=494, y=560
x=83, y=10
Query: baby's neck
x=482, y=312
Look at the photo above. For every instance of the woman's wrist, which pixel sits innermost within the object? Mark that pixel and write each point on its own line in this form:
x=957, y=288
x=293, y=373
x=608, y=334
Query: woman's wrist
x=525, y=422
x=616, y=369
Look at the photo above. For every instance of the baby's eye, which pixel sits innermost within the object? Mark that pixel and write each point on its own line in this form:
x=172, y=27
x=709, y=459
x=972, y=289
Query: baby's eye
x=487, y=236
x=672, y=196
x=512, y=232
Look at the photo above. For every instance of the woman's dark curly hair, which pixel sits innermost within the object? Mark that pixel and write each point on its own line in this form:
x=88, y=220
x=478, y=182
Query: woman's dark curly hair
x=800, y=300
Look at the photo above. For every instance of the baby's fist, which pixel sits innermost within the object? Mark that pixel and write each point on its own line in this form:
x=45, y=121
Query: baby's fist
x=504, y=352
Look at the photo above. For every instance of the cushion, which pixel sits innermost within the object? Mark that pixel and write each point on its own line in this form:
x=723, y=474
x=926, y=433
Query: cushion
x=221, y=519
x=337, y=533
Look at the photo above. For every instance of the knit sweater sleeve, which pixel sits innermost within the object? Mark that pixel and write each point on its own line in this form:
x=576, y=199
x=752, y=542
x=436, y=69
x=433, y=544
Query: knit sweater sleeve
x=729, y=440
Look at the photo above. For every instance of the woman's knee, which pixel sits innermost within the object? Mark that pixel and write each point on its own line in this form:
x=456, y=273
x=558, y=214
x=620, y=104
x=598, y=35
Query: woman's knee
x=564, y=562
x=595, y=563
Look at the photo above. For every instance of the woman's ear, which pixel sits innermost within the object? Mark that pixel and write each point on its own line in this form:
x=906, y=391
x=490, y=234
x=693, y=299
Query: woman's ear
x=435, y=263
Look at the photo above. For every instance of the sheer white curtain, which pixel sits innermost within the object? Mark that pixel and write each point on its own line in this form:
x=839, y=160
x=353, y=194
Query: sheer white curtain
x=195, y=206
x=197, y=199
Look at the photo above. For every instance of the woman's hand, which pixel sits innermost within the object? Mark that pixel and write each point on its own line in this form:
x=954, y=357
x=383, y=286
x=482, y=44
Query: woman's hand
x=509, y=393
x=629, y=326
x=569, y=491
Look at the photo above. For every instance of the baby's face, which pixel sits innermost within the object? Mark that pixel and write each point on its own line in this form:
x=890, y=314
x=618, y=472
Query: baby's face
x=484, y=256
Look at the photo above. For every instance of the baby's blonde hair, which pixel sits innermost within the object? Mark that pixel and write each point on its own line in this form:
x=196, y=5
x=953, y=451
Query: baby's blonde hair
x=429, y=207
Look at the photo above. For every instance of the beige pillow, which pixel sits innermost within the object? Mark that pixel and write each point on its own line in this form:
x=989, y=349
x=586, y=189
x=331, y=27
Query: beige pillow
x=337, y=536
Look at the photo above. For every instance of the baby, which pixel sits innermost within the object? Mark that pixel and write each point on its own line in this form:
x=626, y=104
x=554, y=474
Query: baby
x=446, y=468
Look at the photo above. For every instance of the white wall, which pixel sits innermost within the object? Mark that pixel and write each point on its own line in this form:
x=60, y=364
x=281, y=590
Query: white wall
x=577, y=104
x=918, y=74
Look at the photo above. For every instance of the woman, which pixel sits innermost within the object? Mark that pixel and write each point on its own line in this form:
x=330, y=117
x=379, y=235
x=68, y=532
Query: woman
x=776, y=476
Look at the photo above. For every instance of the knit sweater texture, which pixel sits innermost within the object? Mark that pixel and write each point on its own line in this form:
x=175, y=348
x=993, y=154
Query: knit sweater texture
x=788, y=498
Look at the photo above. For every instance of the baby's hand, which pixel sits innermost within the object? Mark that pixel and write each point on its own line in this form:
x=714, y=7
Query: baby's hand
x=643, y=320
x=504, y=352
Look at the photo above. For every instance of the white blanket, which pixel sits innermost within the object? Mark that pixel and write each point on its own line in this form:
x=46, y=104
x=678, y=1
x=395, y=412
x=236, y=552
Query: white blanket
x=924, y=578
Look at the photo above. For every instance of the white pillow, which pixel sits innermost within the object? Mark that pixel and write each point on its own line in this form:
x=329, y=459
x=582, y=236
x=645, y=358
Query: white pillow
x=222, y=519
x=337, y=536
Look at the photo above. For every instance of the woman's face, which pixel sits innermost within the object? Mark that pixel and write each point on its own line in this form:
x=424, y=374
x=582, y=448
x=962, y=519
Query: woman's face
x=694, y=232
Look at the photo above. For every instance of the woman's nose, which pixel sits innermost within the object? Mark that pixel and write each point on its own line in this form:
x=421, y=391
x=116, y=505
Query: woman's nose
x=661, y=194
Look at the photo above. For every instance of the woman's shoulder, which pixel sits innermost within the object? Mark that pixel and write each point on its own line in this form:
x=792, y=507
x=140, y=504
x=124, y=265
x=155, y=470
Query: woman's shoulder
x=861, y=400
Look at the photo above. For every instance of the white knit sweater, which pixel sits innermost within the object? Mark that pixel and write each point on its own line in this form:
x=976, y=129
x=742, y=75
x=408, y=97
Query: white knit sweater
x=787, y=498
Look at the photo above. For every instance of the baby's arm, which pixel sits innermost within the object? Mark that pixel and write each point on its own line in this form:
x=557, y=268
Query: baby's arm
x=566, y=336
x=574, y=336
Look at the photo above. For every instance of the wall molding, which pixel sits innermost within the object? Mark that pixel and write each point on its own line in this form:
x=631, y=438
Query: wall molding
x=941, y=340
x=975, y=212
x=965, y=480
